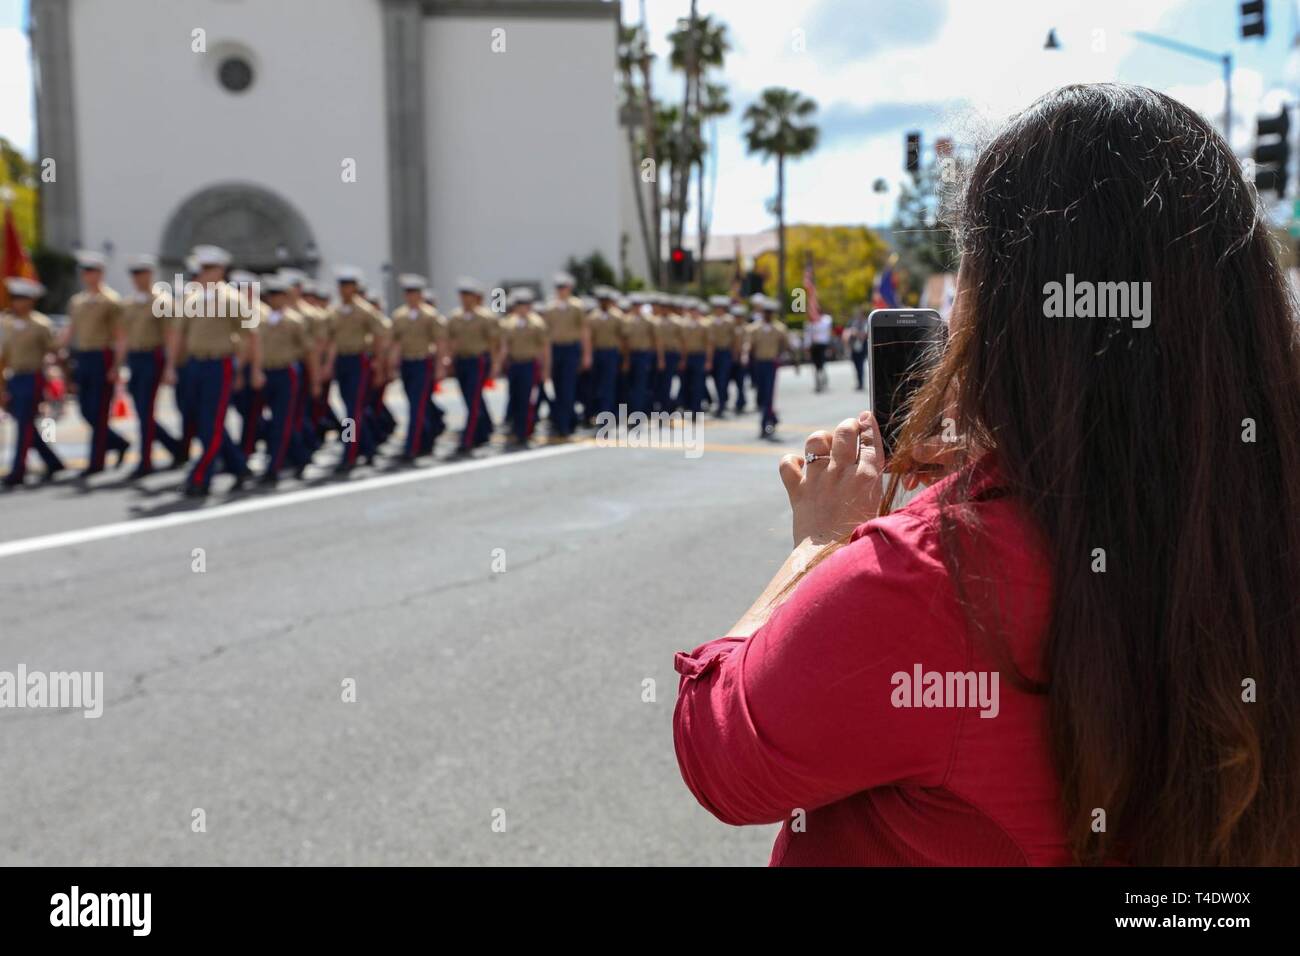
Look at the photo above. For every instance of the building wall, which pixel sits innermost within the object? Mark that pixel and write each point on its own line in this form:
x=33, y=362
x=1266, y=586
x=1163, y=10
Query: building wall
x=524, y=157
x=154, y=125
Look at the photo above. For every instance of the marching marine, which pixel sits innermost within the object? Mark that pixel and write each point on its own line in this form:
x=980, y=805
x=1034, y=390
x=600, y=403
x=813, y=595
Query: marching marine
x=566, y=321
x=97, y=345
x=26, y=342
x=147, y=314
x=420, y=347
x=473, y=334
x=526, y=356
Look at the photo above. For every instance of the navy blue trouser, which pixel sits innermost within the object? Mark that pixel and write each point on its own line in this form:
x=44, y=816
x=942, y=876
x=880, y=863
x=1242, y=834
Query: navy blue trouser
x=604, y=380
x=691, y=393
x=250, y=403
x=213, y=379
x=146, y=367
x=764, y=375
x=26, y=390
x=352, y=372
x=95, y=399
x=640, y=364
x=471, y=372
x=664, y=383
x=524, y=377
x=739, y=370
x=424, y=417
x=564, y=373
x=860, y=367
x=721, y=378
x=186, y=404
x=283, y=398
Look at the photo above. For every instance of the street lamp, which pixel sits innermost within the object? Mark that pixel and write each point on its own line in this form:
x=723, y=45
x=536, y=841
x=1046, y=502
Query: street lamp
x=1225, y=59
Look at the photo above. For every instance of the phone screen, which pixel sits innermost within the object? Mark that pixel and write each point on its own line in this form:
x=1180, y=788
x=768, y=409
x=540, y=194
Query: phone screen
x=898, y=357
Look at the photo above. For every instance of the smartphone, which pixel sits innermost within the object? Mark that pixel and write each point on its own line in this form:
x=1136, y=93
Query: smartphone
x=901, y=344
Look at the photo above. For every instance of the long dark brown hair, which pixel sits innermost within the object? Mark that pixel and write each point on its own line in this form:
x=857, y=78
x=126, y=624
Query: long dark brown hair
x=1171, y=452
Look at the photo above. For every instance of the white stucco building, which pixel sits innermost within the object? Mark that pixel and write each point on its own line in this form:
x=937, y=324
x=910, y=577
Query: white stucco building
x=445, y=137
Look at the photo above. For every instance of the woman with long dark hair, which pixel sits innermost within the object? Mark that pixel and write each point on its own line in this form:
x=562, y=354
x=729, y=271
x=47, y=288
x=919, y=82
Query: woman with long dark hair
x=1083, y=644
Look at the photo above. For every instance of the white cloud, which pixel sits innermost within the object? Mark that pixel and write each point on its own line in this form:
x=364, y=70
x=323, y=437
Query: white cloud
x=989, y=55
x=16, y=91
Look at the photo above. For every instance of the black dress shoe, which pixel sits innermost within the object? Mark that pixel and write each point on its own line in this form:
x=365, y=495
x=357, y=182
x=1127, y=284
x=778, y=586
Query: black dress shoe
x=344, y=467
x=299, y=472
x=121, y=458
x=11, y=481
x=51, y=474
x=241, y=479
x=196, y=491
x=268, y=481
x=88, y=472
x=139, y=473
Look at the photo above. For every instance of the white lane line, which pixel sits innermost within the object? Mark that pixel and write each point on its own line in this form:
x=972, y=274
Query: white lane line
x=63, y=539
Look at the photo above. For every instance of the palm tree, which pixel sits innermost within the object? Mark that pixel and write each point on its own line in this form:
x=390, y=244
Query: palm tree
x=713, y=103
x=777, y=125
x=698, y=45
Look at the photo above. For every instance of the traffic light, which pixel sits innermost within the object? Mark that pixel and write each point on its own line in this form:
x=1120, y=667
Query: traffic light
x=681, y=265
x=1273, y=152
x=1253, y=23
x=912, y=153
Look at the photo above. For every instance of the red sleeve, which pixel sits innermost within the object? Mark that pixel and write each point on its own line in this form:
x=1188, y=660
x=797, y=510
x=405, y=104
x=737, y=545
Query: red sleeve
x=802, y=713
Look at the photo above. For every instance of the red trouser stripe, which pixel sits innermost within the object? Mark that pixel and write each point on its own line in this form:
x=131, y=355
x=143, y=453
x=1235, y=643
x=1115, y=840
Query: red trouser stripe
x=218, y=427
x=359, y=409
x=417, y=428
x=286, y=424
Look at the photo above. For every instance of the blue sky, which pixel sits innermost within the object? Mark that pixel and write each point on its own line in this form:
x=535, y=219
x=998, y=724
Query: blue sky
x=880, y=67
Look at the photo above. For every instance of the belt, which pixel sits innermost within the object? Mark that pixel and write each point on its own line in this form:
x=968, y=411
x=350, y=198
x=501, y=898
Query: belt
x=210, y=356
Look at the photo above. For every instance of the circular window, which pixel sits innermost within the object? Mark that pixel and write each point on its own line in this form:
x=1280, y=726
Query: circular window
x=235, y=73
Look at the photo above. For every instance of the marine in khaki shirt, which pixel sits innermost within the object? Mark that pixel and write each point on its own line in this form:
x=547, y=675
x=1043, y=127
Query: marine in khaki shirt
x=669, y=327
x=216, y=323
x=638, y=330
x=606, y=327
x=357, y=326
x=768, y=339
x=94, y=319
x=694, y=334
x=419, y=332
x=725, y=333
x=473, y=332
x=566, y=320
x=285, y=339
x=525, y=337
x=147, y=317
x=25, y=342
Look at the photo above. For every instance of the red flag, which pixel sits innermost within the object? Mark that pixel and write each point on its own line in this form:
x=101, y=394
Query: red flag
x=14, y=261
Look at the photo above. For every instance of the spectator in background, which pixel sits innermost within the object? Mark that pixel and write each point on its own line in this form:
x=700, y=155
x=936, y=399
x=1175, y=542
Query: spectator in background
x=855, y=341
x=818, y=333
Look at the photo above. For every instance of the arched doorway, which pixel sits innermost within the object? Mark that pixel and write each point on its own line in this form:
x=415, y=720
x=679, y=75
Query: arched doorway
x=260, y=230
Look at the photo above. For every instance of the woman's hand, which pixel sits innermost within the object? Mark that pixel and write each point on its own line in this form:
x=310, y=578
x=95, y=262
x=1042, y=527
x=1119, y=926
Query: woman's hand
x=841, y=487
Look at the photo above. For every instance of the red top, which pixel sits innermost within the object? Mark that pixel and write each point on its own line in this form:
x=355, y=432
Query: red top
x=802, y=723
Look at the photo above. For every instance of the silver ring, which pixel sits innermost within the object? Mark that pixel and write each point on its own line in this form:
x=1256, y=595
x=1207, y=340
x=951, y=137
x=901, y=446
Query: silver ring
x=809, y=457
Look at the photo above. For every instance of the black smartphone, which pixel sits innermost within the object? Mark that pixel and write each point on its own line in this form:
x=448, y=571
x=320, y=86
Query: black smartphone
x=901, y=345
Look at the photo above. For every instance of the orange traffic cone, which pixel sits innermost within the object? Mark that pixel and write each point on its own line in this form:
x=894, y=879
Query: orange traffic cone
x=120, y=409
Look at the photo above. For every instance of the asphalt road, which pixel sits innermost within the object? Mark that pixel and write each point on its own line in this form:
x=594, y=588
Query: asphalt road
x=499, y=621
